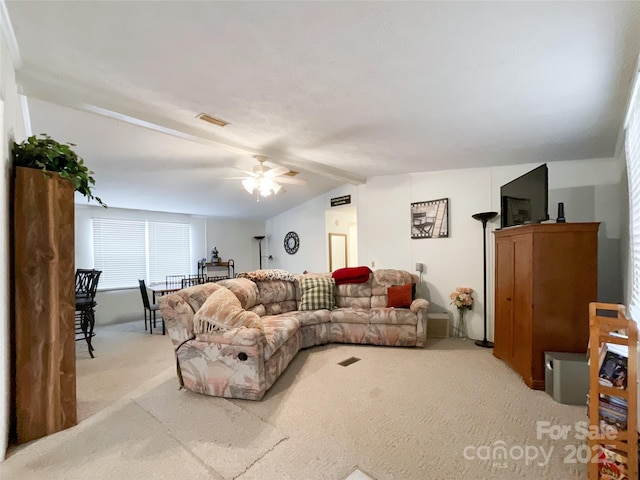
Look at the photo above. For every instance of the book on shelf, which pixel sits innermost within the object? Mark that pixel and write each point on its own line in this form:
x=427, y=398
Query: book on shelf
x=616, y=402
x=613, y=419
x=612, y=463
x=613, y=365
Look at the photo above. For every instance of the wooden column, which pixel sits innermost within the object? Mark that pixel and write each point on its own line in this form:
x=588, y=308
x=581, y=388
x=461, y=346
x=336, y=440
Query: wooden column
x=43, y=304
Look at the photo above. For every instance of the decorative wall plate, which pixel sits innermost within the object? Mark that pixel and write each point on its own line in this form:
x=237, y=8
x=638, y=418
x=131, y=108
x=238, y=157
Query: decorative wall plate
x=291, y=243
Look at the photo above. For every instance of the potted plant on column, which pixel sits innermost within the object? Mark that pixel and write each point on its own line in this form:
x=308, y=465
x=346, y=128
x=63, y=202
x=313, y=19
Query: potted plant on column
x=46, y=173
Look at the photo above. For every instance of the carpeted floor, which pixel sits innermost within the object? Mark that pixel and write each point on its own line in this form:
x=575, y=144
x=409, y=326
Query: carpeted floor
x=442, y=412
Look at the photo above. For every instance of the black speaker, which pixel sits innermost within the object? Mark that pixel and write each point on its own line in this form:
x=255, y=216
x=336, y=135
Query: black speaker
x=561, y=218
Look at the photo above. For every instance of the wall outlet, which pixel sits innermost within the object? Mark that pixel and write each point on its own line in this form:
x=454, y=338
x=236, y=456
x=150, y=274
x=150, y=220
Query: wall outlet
x=419, y=267
x=373, y=263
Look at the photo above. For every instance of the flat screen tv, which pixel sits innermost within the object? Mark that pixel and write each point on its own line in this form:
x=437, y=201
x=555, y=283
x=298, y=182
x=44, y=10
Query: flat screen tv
x=525, y=199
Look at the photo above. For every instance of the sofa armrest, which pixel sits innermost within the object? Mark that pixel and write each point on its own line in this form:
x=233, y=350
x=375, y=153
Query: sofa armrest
x=178, y=318
x=419, y=307
x=224, y=364
x=418, y=304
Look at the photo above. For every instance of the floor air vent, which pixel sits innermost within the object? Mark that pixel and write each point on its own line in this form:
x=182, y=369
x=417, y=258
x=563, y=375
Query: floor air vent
x=349, y=361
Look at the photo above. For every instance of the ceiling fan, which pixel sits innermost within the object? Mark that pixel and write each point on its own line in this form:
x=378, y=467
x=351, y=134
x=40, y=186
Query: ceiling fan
x=265, y=181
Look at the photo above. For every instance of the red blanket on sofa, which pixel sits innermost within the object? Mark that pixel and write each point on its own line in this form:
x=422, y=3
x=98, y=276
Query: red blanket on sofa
x=351, y=275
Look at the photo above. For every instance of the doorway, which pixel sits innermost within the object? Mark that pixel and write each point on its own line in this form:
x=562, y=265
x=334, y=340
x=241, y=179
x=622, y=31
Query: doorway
x=338, y=251
x=342, y=239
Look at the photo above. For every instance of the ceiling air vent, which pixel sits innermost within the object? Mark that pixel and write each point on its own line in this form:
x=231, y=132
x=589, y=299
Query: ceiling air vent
x=214, y=120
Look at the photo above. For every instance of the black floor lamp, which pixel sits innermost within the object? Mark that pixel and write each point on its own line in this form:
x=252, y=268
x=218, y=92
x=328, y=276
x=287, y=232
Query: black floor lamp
x=260, y=238
x=484, y=217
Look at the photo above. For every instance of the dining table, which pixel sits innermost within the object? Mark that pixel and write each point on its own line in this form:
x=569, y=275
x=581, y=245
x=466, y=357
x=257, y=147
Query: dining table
x=161, y=288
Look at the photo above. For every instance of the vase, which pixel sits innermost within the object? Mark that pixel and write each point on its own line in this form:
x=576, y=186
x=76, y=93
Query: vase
x=461, y=328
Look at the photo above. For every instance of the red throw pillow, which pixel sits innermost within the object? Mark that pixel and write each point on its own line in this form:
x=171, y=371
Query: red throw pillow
x=399, y=296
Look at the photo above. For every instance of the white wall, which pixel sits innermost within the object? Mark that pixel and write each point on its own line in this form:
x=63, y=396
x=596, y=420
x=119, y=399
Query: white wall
x=308, y=221
x=592, y=190
x=11, y=118
x=343, y=220
x=234, y=240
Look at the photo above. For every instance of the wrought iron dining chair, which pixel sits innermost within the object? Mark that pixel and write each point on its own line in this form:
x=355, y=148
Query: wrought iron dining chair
x=86, y=288
x=191, y=280
x=152, y=308
x=174, y=280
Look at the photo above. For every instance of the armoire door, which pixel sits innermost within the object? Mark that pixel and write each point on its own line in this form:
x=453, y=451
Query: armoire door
x=522, y=304
x=503, y=326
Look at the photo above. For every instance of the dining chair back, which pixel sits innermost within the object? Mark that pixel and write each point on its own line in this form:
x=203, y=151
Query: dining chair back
x=149, y=307
x=191, y=280
x=86, y=289
x=174, y=280
x=87, y=282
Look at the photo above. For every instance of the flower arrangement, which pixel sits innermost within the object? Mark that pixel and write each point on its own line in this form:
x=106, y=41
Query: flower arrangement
x=462, y=299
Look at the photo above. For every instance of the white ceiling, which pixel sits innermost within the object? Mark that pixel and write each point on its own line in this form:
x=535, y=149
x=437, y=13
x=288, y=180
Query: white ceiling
x=339, y=91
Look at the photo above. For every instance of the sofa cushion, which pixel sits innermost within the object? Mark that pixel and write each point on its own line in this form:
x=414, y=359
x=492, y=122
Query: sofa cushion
x=277, y=308
x=317, y=293
x=311, y=317
x=244, y=289
x=222, y=311
x=196, y=295
x=385, y=278
x=356, y=295
x=351, y=315
x=277, y=330
x=399, y=296
x=275, y=291
x=259, y=310
x=353, y=302
x=392, y=316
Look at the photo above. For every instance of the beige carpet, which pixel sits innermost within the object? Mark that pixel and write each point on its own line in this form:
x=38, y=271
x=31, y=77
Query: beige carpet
x=395, y=414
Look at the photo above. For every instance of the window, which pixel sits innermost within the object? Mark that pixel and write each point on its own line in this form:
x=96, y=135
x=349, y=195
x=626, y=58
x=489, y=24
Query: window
x=168, y=250
x=632, y=147
x=129, y=250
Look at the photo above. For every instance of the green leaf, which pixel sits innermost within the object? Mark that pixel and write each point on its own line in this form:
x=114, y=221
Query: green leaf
x=50, y=156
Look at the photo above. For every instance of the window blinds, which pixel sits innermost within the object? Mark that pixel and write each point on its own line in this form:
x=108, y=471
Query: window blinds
x=632, y=148
x=168, y=250
x=129, y=250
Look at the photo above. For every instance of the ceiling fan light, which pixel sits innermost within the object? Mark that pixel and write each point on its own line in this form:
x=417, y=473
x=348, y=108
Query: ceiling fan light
x=249, y=184
x=266, y=184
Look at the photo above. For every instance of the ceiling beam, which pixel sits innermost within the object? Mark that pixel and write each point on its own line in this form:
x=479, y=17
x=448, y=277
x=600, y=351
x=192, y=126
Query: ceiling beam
x=52, y=88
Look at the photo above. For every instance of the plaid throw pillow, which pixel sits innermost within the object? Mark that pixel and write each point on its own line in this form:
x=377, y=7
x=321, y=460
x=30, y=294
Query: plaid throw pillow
x=317, y=293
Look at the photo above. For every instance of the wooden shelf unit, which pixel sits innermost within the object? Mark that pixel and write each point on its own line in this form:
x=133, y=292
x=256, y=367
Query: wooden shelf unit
x=546, y=275
x=229, y=265
x=601, y=327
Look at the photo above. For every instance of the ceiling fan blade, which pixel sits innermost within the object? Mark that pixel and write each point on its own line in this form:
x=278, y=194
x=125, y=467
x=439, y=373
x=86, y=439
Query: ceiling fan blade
x=276, y=171
x=291, y=181
x=247, y=172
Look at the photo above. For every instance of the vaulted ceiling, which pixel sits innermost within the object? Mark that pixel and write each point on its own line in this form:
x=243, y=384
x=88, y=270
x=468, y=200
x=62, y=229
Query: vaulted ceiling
x=338, y=91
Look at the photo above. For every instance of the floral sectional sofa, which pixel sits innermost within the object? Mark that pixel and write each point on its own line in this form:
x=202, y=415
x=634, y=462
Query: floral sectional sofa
x=235, y=337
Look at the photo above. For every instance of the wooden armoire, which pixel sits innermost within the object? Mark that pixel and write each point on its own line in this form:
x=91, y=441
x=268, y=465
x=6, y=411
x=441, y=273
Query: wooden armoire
x=546, y=275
